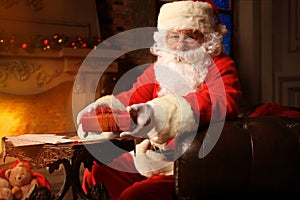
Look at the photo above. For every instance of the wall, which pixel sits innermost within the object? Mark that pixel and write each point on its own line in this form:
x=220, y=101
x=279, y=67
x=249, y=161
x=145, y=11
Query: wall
x=116, y=16
x=43, y=17
x=267, y=50
x=286, y=51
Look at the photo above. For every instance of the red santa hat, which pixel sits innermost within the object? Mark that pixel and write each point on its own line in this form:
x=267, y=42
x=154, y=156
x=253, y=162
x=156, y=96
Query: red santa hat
x=193, y=15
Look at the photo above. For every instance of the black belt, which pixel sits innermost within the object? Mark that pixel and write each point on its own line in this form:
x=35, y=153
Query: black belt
x=169, y=154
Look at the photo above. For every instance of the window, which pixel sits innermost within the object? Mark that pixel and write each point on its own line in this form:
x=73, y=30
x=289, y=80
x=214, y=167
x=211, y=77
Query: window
x=225, y=8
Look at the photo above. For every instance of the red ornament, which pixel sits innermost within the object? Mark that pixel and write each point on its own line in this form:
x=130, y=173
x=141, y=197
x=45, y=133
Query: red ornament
x=84, y=45
x=46, y=42
x=24, y=45
x=12, y=39
x=55, y=36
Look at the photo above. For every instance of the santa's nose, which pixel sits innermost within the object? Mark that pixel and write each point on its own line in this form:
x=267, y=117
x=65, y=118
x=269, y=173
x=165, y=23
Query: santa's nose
x=181, y=45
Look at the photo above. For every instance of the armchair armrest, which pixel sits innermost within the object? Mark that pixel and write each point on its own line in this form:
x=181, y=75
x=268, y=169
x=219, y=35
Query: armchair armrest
x=253, y=155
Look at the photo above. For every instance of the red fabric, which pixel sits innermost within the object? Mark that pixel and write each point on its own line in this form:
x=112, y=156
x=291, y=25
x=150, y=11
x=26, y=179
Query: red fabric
x=156, y=187
x=122, y=184
x=40, y=177
x=143, y=90
x=204, y=102
x=2, y=173
x=275, y=110
x=210, y=98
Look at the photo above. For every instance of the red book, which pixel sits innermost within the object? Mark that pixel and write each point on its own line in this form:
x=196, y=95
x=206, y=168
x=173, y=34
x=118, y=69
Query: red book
x=106, y=120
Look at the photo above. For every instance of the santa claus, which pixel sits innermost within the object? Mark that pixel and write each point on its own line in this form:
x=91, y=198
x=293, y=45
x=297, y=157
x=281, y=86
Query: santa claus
x=192, y=83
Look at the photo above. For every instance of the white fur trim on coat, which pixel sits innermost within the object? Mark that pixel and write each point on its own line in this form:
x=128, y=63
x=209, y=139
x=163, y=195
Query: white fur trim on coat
x=173, y=115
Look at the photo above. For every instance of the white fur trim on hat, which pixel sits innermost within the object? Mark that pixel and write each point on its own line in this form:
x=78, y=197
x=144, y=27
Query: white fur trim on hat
x=188, y=15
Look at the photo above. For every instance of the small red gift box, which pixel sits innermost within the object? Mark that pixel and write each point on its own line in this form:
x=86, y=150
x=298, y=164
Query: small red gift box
x=106, y=120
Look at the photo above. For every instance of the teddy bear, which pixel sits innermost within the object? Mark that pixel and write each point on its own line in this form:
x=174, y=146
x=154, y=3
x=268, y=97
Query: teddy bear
x=21, y=181
x=5, y=190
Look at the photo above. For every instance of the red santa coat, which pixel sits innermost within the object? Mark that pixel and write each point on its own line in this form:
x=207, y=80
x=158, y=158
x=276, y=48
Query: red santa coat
x=204, y=102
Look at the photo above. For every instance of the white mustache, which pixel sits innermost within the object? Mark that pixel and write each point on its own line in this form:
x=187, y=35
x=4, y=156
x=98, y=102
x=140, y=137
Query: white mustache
x=198, y=58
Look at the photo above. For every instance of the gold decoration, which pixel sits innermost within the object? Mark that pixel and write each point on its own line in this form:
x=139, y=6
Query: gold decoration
x=36, y=5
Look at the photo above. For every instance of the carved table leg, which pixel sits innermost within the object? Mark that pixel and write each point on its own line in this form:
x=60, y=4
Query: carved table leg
x=82, y=157
x=68, y=176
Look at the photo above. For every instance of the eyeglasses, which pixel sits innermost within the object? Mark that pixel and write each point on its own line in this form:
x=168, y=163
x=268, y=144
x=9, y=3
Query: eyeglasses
x=183, y=35
x=189, y=38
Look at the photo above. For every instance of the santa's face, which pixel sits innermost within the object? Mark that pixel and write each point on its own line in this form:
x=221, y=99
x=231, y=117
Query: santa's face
x=180, y=56
x=184, y=40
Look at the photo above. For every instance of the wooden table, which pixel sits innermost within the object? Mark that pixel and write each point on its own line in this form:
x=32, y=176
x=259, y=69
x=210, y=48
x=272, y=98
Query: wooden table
x=71, y=155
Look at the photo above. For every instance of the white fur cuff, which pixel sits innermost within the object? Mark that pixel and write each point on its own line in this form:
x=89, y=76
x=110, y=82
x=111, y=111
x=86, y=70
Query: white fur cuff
x=173, y=115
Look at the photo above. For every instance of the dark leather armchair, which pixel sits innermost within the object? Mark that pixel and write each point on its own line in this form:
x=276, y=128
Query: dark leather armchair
x=254, y=156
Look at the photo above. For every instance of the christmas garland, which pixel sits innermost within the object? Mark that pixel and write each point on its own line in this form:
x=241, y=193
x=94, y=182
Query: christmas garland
x=54, y=43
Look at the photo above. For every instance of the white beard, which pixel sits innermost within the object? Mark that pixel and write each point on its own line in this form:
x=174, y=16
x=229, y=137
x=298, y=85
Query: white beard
x=181, y=72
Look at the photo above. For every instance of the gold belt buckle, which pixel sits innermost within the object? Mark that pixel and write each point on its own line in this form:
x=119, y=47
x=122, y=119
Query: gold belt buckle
x=156, y=148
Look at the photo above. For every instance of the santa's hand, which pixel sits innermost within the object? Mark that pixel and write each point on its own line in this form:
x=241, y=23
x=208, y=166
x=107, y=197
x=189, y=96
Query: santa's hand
x=81, y=133
x=143, y=116
x=89, y=108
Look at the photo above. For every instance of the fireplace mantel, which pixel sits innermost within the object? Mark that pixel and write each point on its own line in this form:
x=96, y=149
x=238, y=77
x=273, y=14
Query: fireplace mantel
x=25, y=73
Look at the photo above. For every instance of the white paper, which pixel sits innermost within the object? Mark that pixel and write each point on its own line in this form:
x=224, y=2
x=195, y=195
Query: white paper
x=34, y=139
x=37, y=139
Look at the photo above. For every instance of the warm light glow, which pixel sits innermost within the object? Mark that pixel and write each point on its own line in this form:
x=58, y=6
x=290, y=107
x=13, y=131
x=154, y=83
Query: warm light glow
x=24, y=46
x=46, y=112
x=46, y=42
x=8, y=123
x=84, y=45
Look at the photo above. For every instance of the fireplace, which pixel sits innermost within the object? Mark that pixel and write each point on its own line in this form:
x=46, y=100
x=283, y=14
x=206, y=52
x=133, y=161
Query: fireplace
x=36, y=90
x=42, y=46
